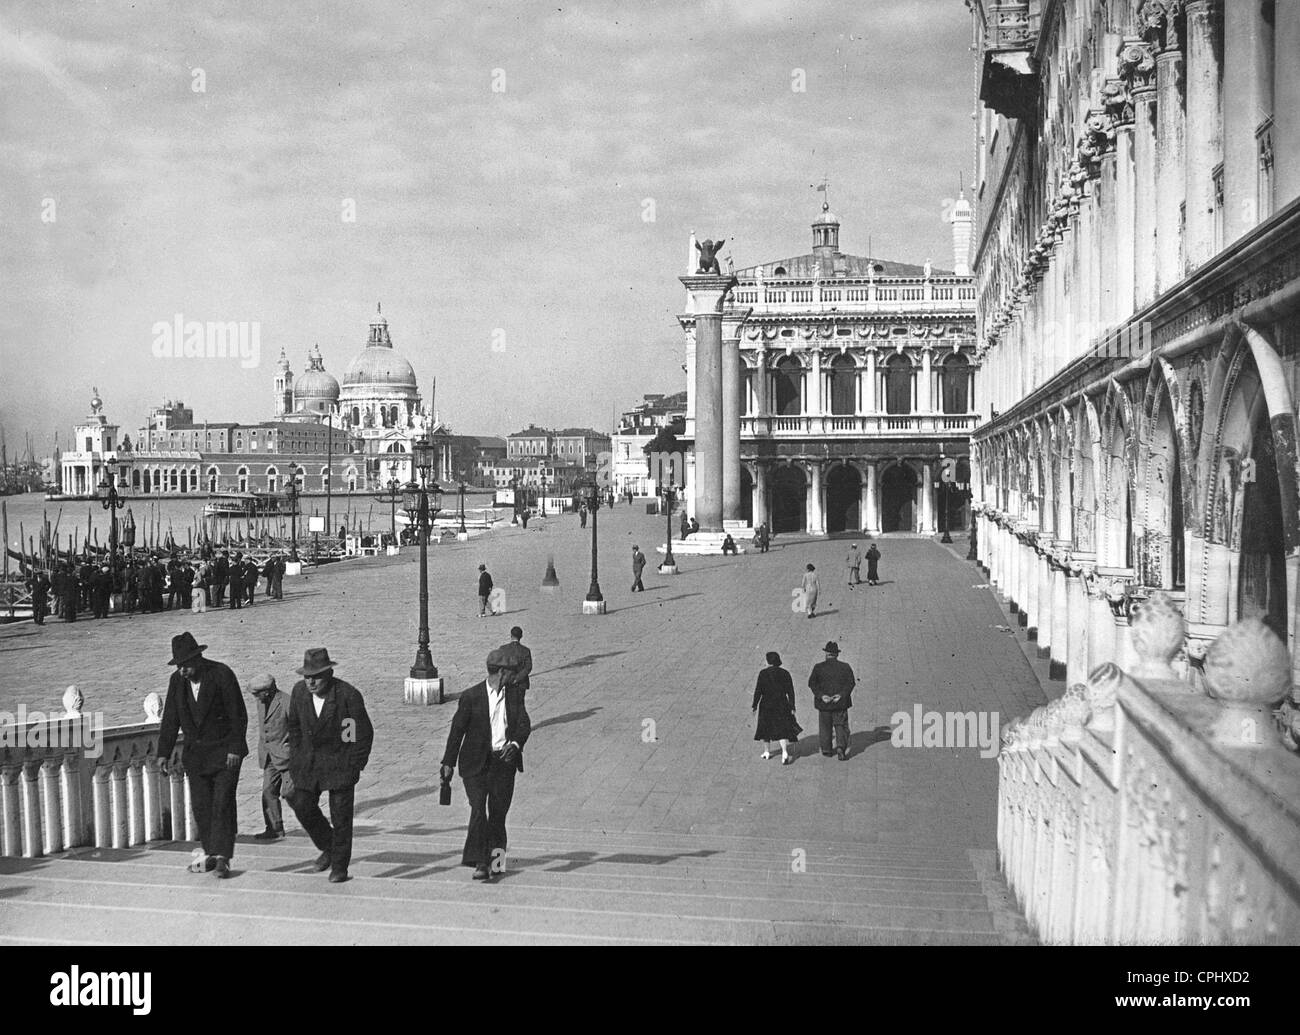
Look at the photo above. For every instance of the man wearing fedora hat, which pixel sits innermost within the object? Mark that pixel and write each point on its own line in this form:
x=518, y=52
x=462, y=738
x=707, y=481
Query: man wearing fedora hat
x=204, y=702
x=832, y=683
x=272, y=752
x=329, y=745
x=487, y=737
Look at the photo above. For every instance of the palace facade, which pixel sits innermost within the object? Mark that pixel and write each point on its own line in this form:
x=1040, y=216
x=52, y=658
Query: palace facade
x=1138, y=268
x=857, y=388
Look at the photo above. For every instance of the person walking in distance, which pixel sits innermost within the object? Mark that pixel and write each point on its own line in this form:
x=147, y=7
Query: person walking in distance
x=487, y=738
x=832, y=683
x=519, y=659
x=272, y=752
x=774, y=703
x=854, y=564
x=638, y=565
x=873, y=559
x=811, y=587
x=204, y=703
x=484, y=588
x=330, y=737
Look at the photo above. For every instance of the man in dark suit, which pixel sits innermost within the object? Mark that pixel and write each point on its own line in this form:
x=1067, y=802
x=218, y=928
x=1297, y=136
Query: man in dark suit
x=484, y=589
x=832, y=683
x=487, y=736
x=329, y=745
x=272, y=751
x=638, y=565
x=520, y=660
x=204, y=702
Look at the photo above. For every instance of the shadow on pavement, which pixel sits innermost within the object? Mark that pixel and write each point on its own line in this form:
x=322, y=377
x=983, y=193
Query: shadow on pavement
x=582, y=662
x=557, y=720
x=378, y=803
x=653, y=603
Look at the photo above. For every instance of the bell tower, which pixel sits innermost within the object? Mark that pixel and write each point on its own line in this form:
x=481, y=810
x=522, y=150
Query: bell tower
x=283, y=387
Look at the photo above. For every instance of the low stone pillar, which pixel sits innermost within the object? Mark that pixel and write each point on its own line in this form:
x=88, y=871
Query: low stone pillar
x=1101, y=629
x=1046, y=627
x=1076, y=650
x=1060, y=625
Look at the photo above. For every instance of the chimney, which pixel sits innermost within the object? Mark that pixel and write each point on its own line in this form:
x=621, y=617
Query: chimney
x=961, y=236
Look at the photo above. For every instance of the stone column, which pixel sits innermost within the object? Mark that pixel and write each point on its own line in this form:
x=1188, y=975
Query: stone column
x=706, y=294
x=1204, y=149
x=927, y=503
x=816, y=404
x=690, y=381
x=1060, y=624
x=871, y=508
x=1121, y=231
x=1046, y=624
x=1032, y=613
x=1170, y=160
x=732, y=383
x=1076, y=648
x=816, y=512
x=760, y=382
x=864, y=498
x=1139, y=66
x=926, y=405
x=871, y=404
x=1101, y=630
x=1247, y=88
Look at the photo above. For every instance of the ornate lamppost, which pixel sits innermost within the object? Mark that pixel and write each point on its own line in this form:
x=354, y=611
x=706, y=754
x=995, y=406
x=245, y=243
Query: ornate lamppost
x=669, y=566
x=111, y=502
x=392, y=494
x=461, y=486
x=514, y=499
x=424, y=679
x=542, y=471
x=595, y=602
x=292, y=492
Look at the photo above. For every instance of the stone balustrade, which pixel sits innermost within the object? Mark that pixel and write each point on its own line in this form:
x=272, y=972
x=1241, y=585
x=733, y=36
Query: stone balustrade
x=1139, y=809
x=68, y=782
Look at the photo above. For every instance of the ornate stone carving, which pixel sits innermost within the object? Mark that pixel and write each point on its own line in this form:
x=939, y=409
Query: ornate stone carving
x=1074, y=711
x=1103, y=686
x=1117, y=103
x=153, y=705
x=1248, y=669
x=72, y=702
x=1137, y=66
x=1158, y=630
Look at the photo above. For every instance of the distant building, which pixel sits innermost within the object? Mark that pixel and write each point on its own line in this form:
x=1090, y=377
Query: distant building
x=636, y=429
x=94, y=452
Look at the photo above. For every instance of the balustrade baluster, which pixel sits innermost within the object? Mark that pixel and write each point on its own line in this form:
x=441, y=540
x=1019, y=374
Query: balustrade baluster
x=154, y=782
x=52, y=812
x=10, y=812
x=74, y=833
x=31, y=803
x=191, y=828
x=135, y=802
x=179, y=802
x=99, y=791
x=118, y=798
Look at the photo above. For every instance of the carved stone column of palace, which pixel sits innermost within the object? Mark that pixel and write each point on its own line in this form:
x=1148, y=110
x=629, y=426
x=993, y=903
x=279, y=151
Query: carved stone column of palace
x=1101, y=630
x=1043, y=571
x=1029, y=609
x=1204, y=127
x=1060, y=620
x=760, y=382
x=1247, y=101
x=871, y=406
x=1076, y=648
x=1286, y=98
x=732, y=383
x=758, y=495
x=1139, y=65
x=1170, y=162
x=925, y=390
x=707, y=291
x=864, y=496
x=1119, y=219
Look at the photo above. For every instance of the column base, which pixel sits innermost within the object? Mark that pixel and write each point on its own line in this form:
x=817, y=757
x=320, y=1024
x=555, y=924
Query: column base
x=1023, y=619
x=462, y=537
x=293, y=567
x=667, y=569
x=550, y=590
x=700, y=543
x=593, y=607
x=1044, y=652
x=1056, y=670
x=422, y=691
x=1032, y=633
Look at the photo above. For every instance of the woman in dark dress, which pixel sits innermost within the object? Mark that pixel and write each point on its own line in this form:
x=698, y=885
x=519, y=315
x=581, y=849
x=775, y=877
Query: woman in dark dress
x=873, y=573
x=774, y=702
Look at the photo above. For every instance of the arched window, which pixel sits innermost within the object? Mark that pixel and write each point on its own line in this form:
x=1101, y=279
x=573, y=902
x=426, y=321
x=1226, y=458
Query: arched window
x=956, y=384
x=352, y=479
x=356, y=416
x=212, y=479
x=844, y=385
x=898, y=385
x=786, y=395
x=271, y=479
x=135, y=480
x=324, y=479
x=243, y=479
x=392, y=416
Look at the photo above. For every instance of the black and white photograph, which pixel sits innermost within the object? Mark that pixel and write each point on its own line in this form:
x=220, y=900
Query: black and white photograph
x=753, y=473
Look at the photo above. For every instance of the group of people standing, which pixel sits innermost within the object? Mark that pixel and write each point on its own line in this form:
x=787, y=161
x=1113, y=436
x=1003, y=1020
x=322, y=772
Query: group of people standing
x=317, y=740
x=149, y=585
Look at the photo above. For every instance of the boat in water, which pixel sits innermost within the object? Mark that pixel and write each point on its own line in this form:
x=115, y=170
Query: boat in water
x=247, y=505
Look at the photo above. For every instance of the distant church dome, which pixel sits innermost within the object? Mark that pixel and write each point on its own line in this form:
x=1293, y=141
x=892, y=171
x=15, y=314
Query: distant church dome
x=315, y=385
x=379, y=362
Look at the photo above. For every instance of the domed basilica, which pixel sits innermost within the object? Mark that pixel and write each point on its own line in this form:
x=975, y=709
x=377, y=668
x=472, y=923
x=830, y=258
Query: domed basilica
x=379, y=405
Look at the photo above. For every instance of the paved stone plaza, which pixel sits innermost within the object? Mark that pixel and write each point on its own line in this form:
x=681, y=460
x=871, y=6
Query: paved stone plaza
x=688, y=837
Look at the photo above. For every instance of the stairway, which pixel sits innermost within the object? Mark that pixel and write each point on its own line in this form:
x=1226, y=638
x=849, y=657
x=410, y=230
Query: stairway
x=563, y=886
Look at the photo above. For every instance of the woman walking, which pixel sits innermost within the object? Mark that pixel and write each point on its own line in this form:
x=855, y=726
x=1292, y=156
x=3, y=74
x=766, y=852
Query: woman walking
x=810, y=589
x=873, y=558
x=774, y=703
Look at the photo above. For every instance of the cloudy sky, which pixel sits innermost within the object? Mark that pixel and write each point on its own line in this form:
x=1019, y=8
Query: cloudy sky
x=524, y=175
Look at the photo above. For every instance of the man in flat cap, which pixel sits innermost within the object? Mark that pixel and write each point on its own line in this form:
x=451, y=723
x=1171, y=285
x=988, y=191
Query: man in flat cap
x=203, y=701
x=832, y=683
x=272, y=752
x=329, y=745
x=487, y=737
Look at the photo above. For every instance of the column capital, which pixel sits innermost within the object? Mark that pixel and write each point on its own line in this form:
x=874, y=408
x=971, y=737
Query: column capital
x=733, y=320
x=708, y=291
x=1137, y=65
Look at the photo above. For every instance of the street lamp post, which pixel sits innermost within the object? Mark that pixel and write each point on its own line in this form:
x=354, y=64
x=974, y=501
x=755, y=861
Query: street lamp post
x=462, y=503
x=669, y=566
x=293, y=512
x=112, y=502
x=424, y=679
x=543, y=498
x=595, y=602
x=391, y=496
